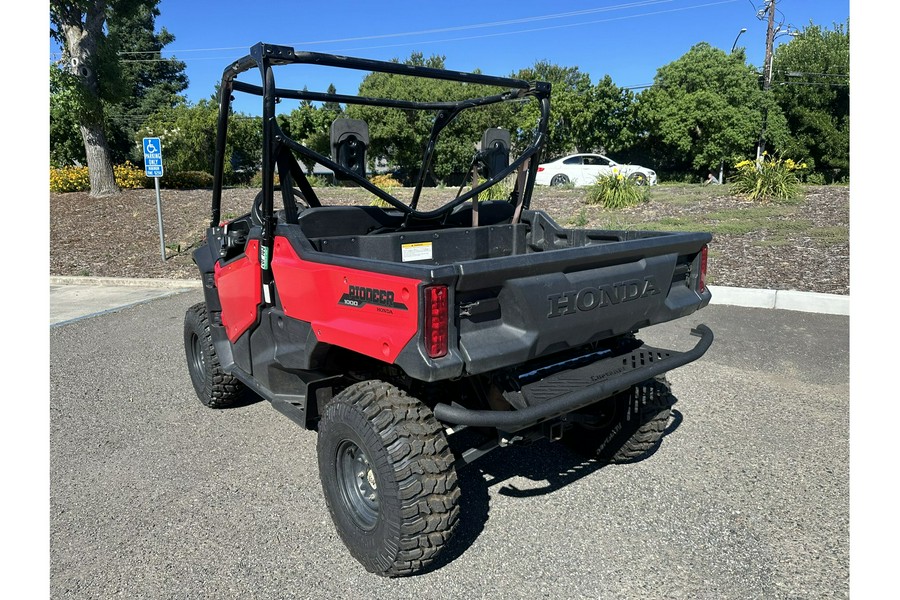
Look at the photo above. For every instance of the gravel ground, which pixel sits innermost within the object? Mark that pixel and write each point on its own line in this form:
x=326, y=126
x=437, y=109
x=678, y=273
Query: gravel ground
x=119, y=236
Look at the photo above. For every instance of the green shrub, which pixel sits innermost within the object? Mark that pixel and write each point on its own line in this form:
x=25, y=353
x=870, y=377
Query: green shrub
x=816, y=178
x=773, y=179
x=256, y=181
x=499, y=191
x=580, y=220
x=616, y=191
x=316, y=181
x=186, y=180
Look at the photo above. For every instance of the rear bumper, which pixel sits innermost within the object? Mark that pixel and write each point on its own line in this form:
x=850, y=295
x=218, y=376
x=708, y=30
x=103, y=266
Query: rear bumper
x=611, y=375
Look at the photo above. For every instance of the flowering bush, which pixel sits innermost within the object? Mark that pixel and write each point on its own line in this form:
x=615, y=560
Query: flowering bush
x=386, y=183
x=772, y=179
x=69, y=179
x=77, y=179
x=130, y=177
x=616, y=191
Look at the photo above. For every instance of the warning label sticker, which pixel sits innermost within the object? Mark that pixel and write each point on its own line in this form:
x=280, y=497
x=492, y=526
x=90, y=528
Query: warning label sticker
x=417, y=251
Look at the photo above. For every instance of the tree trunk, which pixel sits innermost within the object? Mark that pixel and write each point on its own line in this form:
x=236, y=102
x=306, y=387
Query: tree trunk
x=100, y=168
x=82, y=38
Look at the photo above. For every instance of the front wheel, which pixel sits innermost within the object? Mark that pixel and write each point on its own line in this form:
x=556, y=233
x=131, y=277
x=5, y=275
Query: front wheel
x=388, y=478
x=214, y=387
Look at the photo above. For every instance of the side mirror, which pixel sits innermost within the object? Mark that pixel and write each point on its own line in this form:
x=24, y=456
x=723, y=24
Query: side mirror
x=349, y=140
x=495, y=151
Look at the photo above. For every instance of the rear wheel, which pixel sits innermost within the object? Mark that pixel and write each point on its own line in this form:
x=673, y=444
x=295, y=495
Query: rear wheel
x=559, y=179
x=638, y=178
x=388, y=478
x=214, y=387
x=626, y=427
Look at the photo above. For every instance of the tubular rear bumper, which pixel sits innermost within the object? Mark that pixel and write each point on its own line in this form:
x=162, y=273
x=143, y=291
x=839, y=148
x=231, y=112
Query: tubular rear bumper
x=628, y=369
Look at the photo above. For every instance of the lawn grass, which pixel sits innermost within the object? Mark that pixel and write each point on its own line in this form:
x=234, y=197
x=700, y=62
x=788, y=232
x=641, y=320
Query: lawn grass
x=779, y=221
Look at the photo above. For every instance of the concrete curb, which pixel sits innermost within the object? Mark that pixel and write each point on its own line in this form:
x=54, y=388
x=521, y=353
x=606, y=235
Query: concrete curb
x=812, y=302
x=125, y=282
x=830, y=304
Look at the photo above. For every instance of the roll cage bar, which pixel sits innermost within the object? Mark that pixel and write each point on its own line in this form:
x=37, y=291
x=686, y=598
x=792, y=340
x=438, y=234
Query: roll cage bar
x=277, y=146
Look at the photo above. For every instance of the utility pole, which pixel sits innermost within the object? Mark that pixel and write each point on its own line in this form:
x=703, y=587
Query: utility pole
x=767, y=74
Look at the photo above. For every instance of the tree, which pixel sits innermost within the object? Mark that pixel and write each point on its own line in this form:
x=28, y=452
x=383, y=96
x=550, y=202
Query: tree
x=188, y=136
x=66, y=143
x=811, y=83
x=570, y=113
x=400, y=136
x=91, y=59
x=607, y=120
x=704, y=109
x=86, y=30
x=311, y=126
x=583, y=117
x=152, y=82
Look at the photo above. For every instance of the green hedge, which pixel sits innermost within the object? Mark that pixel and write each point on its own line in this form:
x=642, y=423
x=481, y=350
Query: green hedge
x=186, y=180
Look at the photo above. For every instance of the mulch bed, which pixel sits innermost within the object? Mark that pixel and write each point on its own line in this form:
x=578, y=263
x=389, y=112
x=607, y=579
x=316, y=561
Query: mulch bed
x=118, y=236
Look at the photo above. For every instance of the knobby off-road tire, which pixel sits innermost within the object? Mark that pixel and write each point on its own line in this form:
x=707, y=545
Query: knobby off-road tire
x=388, y=478
x=214, y=387
x=631, y=424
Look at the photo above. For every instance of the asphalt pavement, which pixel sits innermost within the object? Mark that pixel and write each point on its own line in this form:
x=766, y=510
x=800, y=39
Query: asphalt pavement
x=153, y=495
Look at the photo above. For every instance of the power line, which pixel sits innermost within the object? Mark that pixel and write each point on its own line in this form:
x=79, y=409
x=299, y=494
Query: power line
x=564, y=15
x=472, y=37
x=537, y=29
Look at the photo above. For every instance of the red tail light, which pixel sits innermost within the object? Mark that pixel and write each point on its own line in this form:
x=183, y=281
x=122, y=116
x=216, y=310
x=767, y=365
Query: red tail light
x=436, y=320
x=540, y=169
x=701, y=284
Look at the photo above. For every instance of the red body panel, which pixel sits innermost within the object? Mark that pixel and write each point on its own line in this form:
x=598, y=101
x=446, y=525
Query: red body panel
x=369, y=313
x=239, y=283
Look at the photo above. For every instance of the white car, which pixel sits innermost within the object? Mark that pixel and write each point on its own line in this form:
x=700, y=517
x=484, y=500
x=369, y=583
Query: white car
x=583, y=169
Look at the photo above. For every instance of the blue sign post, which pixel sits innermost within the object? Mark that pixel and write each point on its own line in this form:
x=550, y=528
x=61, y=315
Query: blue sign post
x=153, y=167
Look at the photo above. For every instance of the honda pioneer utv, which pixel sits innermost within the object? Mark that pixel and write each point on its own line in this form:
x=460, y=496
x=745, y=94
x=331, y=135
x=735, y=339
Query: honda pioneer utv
x=415, y=340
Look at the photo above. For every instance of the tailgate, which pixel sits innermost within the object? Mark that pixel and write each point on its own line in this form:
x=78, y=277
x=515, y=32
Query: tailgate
x=517, y=308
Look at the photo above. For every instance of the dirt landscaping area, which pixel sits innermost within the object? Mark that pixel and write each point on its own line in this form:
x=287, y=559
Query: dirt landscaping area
x=803, y=245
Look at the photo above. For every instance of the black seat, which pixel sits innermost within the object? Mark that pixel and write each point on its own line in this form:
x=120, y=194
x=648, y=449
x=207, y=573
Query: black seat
x=490, y=212
x=332, y=221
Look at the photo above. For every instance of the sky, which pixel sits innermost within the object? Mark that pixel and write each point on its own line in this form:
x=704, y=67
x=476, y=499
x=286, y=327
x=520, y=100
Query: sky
x=626, y=39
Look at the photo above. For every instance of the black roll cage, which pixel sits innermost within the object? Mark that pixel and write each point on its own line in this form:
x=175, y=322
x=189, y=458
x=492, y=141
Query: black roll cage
x=276, y=142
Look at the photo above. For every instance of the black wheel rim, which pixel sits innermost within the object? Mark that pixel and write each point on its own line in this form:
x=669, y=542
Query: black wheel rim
x=358, y=485
x=198, y=360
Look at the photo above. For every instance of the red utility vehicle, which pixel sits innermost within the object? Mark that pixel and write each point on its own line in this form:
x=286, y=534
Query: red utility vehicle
x=415, y=341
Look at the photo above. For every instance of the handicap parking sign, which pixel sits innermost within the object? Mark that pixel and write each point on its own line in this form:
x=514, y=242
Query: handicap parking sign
x=153, y=157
